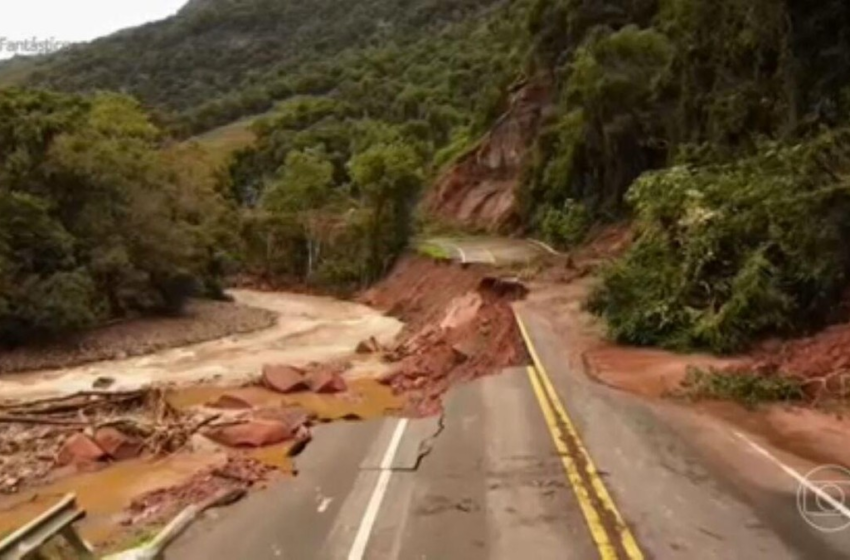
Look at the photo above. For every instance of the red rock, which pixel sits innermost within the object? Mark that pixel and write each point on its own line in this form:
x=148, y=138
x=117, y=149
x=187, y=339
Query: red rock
x=370, y=346
x=327, y=382
x=230, y=402
x=292, y=416
x=79, y=449
x=284, y=379
x=117, y=444
x=256, y=433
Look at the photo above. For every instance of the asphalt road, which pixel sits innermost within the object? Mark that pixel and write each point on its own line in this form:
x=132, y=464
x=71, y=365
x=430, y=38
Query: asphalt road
x=490, y=250
x=534, y=462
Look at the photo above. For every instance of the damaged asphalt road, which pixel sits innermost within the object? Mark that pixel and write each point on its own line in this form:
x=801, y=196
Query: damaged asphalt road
x=484, y=481
x=458, y=481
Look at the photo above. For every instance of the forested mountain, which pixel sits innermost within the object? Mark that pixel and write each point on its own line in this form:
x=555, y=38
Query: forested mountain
x=719, y=128
x=217, y=60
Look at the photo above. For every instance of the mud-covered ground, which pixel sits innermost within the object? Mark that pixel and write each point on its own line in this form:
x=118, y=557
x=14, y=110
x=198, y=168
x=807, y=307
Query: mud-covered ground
x=815, y=429
x=236, y=408
x=202, y=320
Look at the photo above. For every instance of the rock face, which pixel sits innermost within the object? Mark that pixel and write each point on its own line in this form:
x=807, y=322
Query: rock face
x=480, y=189
x=254, y=433
x=284, y=379
x=117, y=444
x=79, y=449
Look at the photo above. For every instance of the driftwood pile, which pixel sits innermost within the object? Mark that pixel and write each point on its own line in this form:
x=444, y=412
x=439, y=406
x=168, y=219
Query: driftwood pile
x=35, y=434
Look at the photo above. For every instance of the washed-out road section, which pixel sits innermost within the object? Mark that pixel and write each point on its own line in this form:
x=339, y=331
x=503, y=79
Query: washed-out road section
x=487, y=480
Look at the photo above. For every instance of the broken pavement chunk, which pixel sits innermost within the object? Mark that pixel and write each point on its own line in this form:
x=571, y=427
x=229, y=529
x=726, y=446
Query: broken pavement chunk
x=117, y=444
x=79, y=449
x=255, y=433
x=284, y=379
x=326, y=382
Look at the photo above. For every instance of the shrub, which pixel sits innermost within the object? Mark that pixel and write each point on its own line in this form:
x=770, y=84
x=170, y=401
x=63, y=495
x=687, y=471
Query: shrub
x=726, y=253
x=747, y=388
x=567, y=226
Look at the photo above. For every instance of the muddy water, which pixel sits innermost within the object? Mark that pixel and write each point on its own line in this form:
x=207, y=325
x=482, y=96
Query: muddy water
x=104, y=494
x=308, y=329
x=365, y=399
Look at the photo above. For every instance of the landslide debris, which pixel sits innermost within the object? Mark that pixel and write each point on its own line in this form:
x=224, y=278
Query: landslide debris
x=459, y=326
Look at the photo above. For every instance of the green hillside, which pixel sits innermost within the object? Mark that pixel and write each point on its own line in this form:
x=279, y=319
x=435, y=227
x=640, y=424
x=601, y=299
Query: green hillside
x=219, y=60
x=719, y=128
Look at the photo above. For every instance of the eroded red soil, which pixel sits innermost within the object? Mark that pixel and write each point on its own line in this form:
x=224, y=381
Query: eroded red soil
x=460, y=326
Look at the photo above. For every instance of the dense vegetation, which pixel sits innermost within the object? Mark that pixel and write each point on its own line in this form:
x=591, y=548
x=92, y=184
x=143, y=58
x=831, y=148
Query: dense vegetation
x=326, y=195
x=720, y=127
x=218, y=60
x=738, y=106
x=332, y=180
x=97, y=221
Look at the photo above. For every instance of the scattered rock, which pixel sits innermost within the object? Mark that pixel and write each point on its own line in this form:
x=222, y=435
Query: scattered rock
x=254, y=433
x=302, y=438
x=292, y=416
x=370, y=346
x=117, y=444
x=284, y=379
x=79, y=449
x=325, y=382
x=103, y=383
x=201, y=444
x=230, y=402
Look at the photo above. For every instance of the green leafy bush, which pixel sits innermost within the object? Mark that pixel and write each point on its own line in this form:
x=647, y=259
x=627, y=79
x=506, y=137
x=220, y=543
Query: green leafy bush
x=747, y=388
x=726, y=253
x=565, y=227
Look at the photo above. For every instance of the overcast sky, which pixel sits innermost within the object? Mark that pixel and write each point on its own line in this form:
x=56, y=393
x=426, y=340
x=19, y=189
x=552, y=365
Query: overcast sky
x=76, y=20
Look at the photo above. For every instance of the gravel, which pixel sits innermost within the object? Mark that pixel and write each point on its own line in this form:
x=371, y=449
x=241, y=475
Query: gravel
x=202, y=321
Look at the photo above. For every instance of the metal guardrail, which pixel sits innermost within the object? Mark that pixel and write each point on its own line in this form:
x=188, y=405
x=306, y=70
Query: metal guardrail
x=58, y=521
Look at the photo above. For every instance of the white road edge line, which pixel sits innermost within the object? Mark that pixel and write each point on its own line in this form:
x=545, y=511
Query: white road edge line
x=358, y=549
x=795, y=475
x=462, y=253
x=491, y=255
x=544, y=246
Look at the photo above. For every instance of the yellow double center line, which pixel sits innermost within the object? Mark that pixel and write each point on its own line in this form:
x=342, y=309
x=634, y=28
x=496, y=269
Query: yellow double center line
x=610, y=533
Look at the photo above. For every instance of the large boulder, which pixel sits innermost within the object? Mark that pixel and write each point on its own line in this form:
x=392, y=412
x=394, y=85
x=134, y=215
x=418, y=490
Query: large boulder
x=327, y=382
x=230, y=402
x=284, y=379
x=254, y=433
x=293, y=416
x=80, y=449
x=117, y=444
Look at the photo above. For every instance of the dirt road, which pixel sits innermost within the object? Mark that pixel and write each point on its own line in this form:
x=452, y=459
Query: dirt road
x=308, y=329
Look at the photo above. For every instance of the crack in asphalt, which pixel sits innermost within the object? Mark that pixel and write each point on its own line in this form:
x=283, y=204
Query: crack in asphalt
x=427, y=446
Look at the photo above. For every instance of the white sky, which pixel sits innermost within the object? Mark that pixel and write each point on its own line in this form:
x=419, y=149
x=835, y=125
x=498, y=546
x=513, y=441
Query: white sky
x=76, y=20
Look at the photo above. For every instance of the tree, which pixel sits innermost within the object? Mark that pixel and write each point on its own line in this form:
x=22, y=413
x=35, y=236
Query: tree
x=389, y=178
